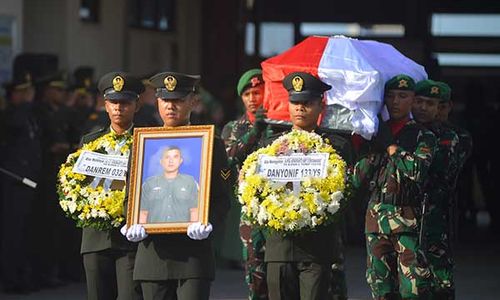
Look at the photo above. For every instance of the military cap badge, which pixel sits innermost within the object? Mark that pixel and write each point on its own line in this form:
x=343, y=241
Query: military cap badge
x=434, y=90
x=255, y=81
x=298, y=83
x=118, y=83
x=170, y=83
x=403, y=83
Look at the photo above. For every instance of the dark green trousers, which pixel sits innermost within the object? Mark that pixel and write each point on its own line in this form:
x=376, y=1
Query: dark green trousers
x=109, y=275
x=298, y=280
x=182, y=289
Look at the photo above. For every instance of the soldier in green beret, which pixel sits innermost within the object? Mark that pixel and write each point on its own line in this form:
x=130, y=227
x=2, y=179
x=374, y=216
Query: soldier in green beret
x=439, y=186
x=392, y=170
x=300, y=266
x=182, y=266
x=241, y=138
x=108, y=259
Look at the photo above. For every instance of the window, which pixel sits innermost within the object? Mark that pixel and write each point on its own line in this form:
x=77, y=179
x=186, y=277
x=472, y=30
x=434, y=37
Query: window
x=468, y=59
x=275, y=38
x=89, y=11
x=152, y=14
x=471, y=25
x=352, y=29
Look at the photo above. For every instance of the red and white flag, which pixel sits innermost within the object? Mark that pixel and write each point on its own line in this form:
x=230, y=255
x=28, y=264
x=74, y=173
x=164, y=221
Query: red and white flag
x=356, y=70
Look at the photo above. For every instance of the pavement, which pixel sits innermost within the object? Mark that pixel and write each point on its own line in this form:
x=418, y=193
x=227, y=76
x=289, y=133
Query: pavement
x=477, y=275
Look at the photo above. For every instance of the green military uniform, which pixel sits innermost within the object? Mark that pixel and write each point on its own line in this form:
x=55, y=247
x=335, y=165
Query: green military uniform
x=440, y=185
x=392, y=217
x=169, y=200
x=108, y=257
x=174, y=266
x=241, y=138
x=300, y=266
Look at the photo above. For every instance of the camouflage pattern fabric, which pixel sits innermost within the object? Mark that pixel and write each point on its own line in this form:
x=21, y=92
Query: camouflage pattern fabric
x=241, y=140
x=396, y=265
x=441, y=182
x=392, y=219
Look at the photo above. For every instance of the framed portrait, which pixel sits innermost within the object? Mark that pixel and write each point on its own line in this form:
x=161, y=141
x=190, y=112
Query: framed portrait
x=169, y=183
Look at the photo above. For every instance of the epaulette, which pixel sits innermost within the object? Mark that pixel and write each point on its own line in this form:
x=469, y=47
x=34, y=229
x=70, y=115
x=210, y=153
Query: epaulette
x=93, y=135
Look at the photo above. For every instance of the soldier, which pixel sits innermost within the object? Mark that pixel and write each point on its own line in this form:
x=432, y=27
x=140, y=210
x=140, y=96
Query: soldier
x=439, y=186
x=108, y=259
x=21, y=154
x=241, y=138
x=58, y=260
x=300, y=267
x=179, y=266
x=393, y=171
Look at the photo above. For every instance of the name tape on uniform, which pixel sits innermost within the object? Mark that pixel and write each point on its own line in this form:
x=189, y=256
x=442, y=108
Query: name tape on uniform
x=294, y=167
x=101, y=165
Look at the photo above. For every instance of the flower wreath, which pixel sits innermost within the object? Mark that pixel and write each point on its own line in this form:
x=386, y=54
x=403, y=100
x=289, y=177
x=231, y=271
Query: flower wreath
x=276, y=206
x=90, y=206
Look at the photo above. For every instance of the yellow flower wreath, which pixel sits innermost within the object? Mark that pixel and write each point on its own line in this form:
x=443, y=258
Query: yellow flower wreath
x=277, y=207
x=88, y=206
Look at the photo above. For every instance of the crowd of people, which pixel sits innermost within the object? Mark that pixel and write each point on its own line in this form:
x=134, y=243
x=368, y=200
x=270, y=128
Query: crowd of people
x=405, y=178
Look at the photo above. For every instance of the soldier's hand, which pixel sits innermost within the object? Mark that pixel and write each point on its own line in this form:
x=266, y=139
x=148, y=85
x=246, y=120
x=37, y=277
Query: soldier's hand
x=260, y=119
x=199, y=231
x=136, y=233
x=384, y=137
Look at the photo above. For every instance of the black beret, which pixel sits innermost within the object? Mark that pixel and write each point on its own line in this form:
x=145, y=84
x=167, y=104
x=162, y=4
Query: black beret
x=304, y=87
x=120, y=85
x=173, y=85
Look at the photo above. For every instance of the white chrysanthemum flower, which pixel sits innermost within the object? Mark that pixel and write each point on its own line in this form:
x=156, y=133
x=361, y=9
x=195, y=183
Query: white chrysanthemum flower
x=72, y=206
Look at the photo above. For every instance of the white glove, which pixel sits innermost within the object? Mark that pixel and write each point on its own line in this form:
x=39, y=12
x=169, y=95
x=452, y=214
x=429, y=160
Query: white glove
x=136, y=233
x=123, y=230
x=198, y=231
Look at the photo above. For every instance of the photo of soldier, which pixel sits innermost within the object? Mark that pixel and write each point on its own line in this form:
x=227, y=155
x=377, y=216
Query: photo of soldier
x=439, y=187
x=393, y=170
x=170, y=196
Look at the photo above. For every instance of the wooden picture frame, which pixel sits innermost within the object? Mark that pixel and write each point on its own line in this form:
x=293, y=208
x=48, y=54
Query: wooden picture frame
x=168, y=164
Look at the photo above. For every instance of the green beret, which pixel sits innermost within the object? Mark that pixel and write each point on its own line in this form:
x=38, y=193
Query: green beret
x=120, y=86
x=429, y=88
x=174, y=85
x=302, y=87
x=250, y=78
x=400, y=82
x=446, y=91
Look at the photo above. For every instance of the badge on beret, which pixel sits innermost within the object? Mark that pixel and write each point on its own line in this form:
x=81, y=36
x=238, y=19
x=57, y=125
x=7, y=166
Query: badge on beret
x=118, y=83
x=255, y=81
x=27, y=77
x=403, y=83
x=170, y=83
x=434, y=90
x=87, y=82
x=298, y=83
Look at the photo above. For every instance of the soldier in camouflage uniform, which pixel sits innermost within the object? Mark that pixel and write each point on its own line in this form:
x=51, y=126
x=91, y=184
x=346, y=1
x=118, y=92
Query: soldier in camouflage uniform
x=439, y=187
x=241, y=138
x=393, y=171
x=461, y=189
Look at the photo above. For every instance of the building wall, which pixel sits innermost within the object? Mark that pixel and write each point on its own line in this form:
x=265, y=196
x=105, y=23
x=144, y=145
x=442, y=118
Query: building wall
x=54, y=26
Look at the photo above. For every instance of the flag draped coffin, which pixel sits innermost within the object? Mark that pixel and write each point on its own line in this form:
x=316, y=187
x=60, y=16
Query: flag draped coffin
x=356, y=70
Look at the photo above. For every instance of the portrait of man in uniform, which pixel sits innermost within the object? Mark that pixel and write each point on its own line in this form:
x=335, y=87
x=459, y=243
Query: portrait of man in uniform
x=170, y=196
x=169, y=177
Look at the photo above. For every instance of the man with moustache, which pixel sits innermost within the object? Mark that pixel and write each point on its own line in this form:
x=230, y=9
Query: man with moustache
x=439, y=186
x=108, y=259
x=180, y=266
x=393, y=170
